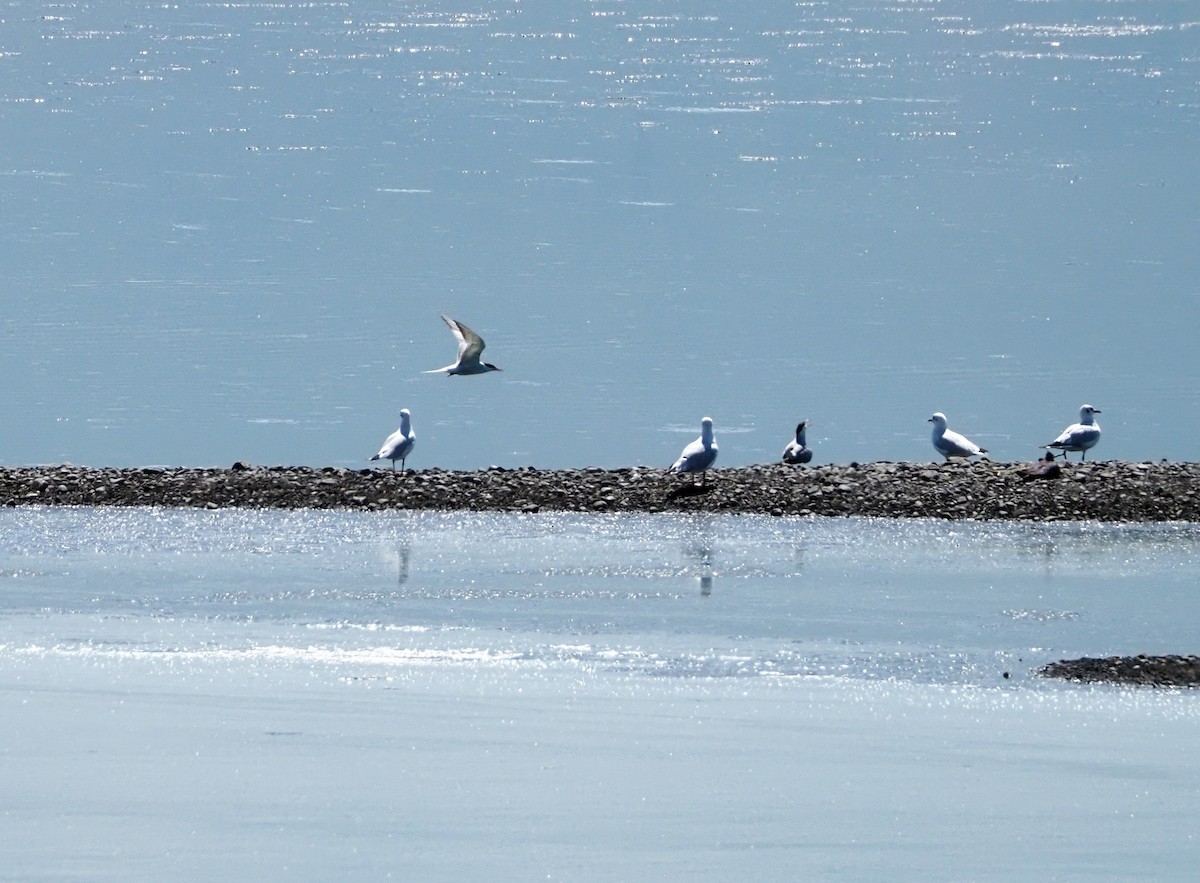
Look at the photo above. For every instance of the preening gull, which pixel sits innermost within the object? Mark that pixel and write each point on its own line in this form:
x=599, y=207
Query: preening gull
x=400, y=443
x=470, y=348
x=700, y=454
x=950, y=443
x=797, y=451
x=1080, y=436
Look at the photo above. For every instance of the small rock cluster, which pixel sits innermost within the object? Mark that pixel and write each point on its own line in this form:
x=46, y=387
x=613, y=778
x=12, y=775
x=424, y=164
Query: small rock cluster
x=1156, y=671
x=1104, y=491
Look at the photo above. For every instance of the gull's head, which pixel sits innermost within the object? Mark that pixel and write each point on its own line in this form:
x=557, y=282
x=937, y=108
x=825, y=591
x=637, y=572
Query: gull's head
x=706, y=428
x=490, y=367
x=1087, y=414
x=404, y=415
x=938, y=420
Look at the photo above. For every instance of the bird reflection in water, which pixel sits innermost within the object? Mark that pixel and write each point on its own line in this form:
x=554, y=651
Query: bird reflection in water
x=700, y=552
x=402, y=570
x=398, y=558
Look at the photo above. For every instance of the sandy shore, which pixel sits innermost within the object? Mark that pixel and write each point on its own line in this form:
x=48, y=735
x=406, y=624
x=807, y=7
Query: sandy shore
x=1106, y=490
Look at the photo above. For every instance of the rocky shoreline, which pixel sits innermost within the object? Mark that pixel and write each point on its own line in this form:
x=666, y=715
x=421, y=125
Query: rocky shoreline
x=1152, y=671
x=1103, y=491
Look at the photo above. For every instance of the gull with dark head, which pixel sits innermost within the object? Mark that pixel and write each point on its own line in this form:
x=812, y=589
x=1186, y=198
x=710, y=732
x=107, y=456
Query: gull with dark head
x=1081, y=436
x=797, y=451
x=700, y=454
x=400, y=443
x=470, y=348
x=949, y=443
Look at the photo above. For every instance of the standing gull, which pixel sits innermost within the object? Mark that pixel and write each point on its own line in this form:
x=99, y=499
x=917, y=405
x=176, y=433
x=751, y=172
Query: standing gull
x=950, y=443
x=470, y=348
x=1079, y=436
x=400, y=443
x=797, y=451
x=700, y=454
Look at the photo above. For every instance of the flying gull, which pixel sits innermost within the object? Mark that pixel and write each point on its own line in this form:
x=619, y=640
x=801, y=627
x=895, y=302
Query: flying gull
x=470, y=348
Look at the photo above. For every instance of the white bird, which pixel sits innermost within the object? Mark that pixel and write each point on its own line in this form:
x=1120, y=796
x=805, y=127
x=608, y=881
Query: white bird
x=950, y=443
x=470, y=348
x=1079, y=436
x=797, y=451
x=700, y=454
x=400, y=443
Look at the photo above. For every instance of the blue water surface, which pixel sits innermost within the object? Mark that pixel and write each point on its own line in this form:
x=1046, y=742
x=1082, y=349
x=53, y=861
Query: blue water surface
x=230, y=228
x=721, y=596
x=442, y=696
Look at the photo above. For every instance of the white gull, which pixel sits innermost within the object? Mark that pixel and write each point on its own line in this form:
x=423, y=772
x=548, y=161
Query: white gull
x=700, y=454
x=1079, y=436
x=470, y=348
x=950, y=443
x=400, y=443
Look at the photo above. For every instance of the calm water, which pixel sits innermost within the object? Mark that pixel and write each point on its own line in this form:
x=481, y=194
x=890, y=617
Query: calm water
x=230, y=228
x=726, y=596
x=193, y=695
x=228, y=232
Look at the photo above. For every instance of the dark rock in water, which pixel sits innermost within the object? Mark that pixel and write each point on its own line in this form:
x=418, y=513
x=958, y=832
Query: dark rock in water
x=1155, y=671
x=1102, y=491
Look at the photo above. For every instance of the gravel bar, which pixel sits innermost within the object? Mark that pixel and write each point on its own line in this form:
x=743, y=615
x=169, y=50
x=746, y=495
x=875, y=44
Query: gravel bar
x=980, y=491
x=1154, y=671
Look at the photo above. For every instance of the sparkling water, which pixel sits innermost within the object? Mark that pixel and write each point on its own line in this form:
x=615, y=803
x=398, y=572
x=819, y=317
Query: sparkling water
x=438, y=696
x=230, y=228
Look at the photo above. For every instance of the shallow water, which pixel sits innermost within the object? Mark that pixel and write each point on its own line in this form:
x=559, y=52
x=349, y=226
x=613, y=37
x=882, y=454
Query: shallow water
x=702, y=596
x=635, y=697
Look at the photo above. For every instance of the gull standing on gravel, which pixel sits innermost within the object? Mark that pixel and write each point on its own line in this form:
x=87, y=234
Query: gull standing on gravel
x=797, y=451
x=470, y=348
x=700, y=454
x=400, y=443
x=950, y=443
x=1080, y=436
